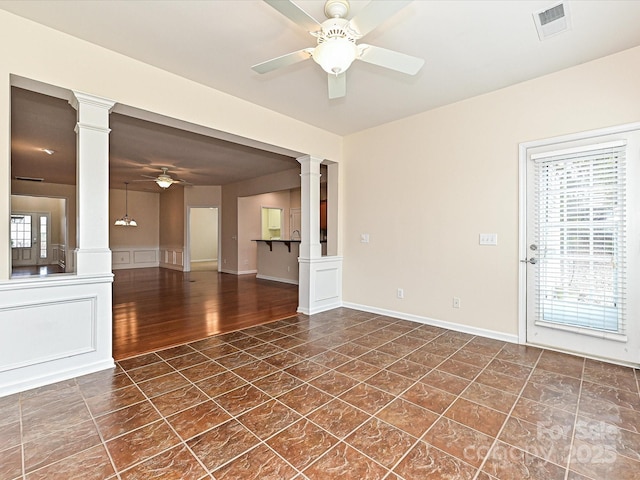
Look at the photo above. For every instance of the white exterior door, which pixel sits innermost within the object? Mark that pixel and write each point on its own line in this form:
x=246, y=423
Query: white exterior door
x=581, y=248
x=30, y=238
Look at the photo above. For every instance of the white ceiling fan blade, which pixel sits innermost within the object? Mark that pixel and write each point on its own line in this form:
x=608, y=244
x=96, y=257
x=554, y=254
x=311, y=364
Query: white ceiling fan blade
x=337, y=85
x=391, y=59
x=375, y=13
x=283, y=61
x=296, y=14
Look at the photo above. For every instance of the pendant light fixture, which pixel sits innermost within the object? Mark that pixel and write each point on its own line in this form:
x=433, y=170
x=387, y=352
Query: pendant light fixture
x=126, y=221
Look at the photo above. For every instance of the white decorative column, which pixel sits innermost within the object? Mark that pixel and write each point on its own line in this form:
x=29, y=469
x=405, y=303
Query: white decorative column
x=60, y=327
x=320, y=278
x=92, y=138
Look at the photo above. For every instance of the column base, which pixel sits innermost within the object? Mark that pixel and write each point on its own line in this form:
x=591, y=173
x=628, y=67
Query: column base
x=320, y=286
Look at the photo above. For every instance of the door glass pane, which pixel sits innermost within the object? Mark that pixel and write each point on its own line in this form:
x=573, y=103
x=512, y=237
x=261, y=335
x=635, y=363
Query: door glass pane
x=580, y=231
x=43, y=237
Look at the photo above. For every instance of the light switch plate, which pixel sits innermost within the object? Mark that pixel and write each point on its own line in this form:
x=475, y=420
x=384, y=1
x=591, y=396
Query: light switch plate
x=364, y=238
x=488, y=239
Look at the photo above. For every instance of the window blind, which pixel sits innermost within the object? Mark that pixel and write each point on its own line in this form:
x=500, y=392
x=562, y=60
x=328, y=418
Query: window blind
x=579, y=227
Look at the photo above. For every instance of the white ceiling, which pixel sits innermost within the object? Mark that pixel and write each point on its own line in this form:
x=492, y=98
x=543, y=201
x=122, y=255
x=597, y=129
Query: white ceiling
x=470, y=48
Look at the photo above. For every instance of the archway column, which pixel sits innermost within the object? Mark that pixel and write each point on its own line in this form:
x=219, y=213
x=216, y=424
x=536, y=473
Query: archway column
x=320, y=278
x=93, y=255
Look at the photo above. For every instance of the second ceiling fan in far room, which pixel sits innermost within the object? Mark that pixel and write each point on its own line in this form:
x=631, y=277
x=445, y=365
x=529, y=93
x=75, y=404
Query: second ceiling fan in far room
x=337, y=38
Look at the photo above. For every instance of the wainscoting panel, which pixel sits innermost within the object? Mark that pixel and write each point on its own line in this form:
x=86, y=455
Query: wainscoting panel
x=134, y=257
x=58, y=329
x=52, y=329
x=172, y=257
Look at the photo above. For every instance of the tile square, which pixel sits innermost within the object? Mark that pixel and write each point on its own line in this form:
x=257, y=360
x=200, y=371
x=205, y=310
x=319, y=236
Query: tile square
x=489, y=397
x=408, y=417
x=445, y=381
x=338, y=417
x=425, y=461
x=429, y=397
x=277, y=383
x=367, y=398
x=126, y=419
x=141, y=444
x=241, y=399
x=334, y=383
x=198, y=419
x=302, y=443
x=90, y=464
x=260, y=463
x=48, y=449
x=389, y=382
x=382, y=442
x=459, y=441
x=358, y=370
x=268, y=419
x=478, y=417
x=165, y=383
x=174, y=464
x=342, y=461
x=305, y=398
x=202, y=371
x=217, y=446
x=114, y=400
x=255, y=370
x=306, y=370
x=180, y=399
x=220, y=384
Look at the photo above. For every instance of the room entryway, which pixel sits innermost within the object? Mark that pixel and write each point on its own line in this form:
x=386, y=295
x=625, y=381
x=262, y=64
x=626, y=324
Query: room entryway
x=203, y=239
x=580, y=250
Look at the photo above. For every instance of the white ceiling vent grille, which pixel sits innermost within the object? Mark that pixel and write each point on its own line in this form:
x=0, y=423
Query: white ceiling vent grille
x=552, y=20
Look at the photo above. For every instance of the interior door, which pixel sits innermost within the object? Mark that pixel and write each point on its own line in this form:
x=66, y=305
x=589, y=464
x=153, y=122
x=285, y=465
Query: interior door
x=582, y=246
x=30, y=238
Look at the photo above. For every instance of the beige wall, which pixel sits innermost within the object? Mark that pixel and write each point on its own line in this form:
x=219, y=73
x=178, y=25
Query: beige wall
x=172, y=217
x=203, y=224
x=250, y=224
x=426, y=186
x=144, y=207
x=230, y=219
x=39, y=53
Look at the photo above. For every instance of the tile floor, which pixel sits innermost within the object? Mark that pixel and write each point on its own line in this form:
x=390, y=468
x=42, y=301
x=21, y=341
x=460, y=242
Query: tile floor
x=339, y=395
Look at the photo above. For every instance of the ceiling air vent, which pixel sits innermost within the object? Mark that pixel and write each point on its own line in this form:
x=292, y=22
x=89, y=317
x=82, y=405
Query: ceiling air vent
x=30, y=179
x=552, y=20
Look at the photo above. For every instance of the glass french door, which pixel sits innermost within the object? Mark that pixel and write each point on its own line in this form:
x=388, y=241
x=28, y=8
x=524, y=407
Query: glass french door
x=582, y=244
x=30, y=238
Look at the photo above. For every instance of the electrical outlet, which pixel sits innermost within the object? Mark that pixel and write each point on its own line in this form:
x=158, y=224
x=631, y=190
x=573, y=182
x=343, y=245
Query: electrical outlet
x=456, y=302
x=400, y=293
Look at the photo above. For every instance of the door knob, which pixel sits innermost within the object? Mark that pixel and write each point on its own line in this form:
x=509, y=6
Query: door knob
x=532, y=261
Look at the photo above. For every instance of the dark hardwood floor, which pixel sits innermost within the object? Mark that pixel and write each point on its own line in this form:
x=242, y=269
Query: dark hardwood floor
x=154, y=308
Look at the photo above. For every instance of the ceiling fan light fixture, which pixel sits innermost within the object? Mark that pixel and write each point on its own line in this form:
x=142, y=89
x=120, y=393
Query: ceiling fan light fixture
x=335, y=55
x=164, y=181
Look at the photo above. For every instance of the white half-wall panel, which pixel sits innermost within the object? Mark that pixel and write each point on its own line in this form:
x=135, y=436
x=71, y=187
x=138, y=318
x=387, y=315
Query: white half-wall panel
x=61, y=328
x=134, y=257
x=53, y=330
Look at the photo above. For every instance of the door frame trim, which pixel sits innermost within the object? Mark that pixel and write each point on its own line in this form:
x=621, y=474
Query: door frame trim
x=522, y=206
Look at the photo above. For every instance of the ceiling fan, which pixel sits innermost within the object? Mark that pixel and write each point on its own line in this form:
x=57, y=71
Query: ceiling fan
x=336, y=37
x=164, y=180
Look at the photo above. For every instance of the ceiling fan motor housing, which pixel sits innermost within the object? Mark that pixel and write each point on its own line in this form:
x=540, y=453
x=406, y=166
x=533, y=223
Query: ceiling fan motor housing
x=336, y=48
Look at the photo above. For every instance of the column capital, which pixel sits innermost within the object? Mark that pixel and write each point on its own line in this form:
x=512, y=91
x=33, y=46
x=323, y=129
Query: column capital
x=86, y=99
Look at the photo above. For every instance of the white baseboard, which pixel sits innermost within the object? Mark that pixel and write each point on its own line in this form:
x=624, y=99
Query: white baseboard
x=36, y=380
x=277, y=279
x=247, y=272
x=505, y=337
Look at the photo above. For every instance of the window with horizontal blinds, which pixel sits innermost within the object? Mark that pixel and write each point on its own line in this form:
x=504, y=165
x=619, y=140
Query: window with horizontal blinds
x=579, y=224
